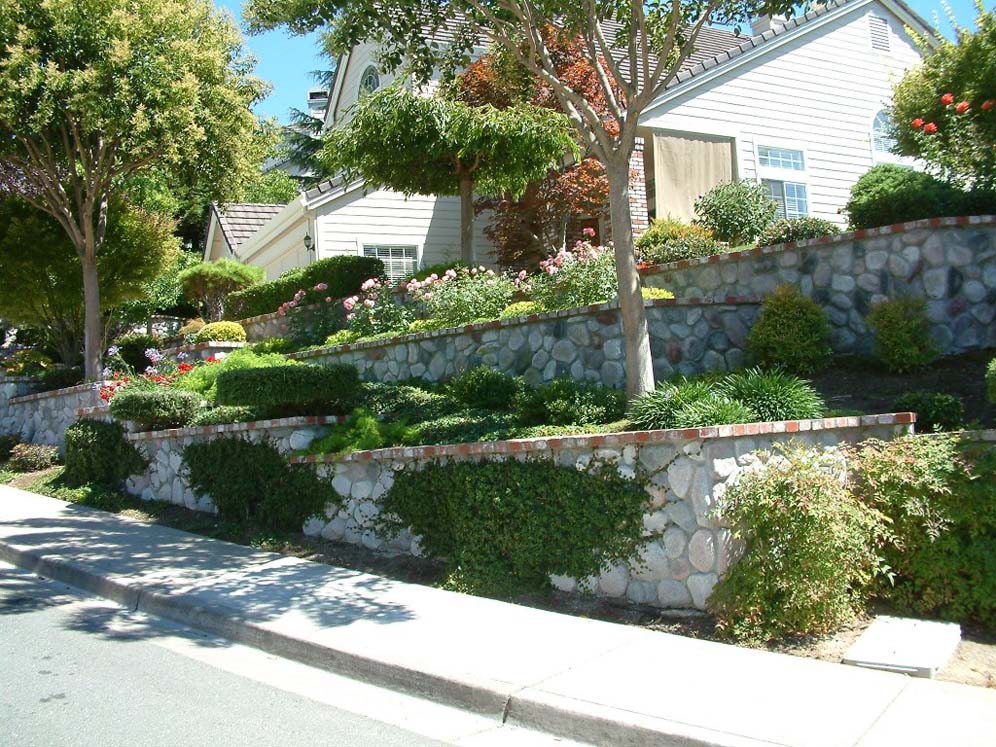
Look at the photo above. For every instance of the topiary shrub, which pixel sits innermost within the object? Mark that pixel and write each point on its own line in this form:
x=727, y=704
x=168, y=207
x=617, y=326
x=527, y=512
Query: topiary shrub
x=505, y=528
x=208, y=284
x=155, y=409
x=484, y=388
x=736, y=212
x=131, y=349
x=224, y=415
x=32, y=457
x=568, y=402
x=902, y=334
x=657, y=410
x=796, y=229
x=291, y=390
x=669, y=239
x=340, y=276
x=716, y=409
x=889, y=194
x=252, y=484
x=935, y=411
x=773, y=395
x=991, y=380
x=98, y=453
x=792, y=332
x=522, y=308
x=221, y=332
x=809, y=548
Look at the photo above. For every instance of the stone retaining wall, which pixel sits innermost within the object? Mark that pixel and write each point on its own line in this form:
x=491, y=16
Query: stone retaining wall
x=264, y=326
x=951, y=262
x=165, y=478
x=687, y=336
x=43, y=418
x=686, y=472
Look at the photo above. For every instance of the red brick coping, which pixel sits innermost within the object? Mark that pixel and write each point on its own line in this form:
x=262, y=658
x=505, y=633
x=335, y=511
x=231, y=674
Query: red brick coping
x=521, y=445
x=198, y=346
x=257, y=425
x=54, y=393
x=863, y=233
x=599, y=308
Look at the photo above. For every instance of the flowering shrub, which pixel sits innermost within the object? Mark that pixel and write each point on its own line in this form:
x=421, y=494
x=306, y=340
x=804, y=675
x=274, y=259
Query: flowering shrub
x=375, y=310
x=580, y=276
x=161, y=371
x=463, y=296
x=311, y=316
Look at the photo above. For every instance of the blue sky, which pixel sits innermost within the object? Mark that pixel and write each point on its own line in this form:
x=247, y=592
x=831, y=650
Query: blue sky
x=286, y=61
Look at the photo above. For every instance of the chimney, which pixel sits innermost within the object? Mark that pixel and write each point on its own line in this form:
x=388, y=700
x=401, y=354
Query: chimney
x=318, y=100
x=766, y=23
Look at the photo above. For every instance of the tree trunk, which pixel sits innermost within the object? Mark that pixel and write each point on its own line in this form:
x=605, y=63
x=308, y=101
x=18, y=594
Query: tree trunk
x=467, y=220
x=636, y=338
x=93, y=337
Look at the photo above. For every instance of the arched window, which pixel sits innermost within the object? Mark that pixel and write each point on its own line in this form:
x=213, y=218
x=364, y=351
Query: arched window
x=370, y=81
x=882, y=139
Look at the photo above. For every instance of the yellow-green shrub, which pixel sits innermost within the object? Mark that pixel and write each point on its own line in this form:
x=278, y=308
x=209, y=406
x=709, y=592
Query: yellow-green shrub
x=792, y=331
x=902, y=334
x=221, y=332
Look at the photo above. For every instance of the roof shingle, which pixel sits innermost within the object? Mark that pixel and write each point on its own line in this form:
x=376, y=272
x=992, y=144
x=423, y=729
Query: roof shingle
x=240, y=220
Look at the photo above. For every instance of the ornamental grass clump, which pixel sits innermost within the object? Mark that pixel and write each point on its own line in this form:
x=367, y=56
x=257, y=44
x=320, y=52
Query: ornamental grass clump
x=714, y=409
x=657, y=410
x=773, y=395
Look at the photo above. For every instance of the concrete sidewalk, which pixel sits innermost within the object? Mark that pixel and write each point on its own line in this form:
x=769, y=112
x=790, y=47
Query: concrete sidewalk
x=598, y=682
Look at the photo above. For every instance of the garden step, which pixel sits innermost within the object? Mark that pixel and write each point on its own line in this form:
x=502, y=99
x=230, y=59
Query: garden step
x=919, y=648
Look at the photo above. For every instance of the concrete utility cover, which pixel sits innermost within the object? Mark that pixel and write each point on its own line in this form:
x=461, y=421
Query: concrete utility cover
x=898, y=644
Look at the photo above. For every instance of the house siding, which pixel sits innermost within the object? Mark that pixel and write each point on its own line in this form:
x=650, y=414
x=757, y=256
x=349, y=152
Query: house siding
x=360, y=58
x=820, y=91
x=283, y=251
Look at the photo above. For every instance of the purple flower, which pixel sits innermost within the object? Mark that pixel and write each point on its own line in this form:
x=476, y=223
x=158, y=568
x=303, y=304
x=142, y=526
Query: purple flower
x=153, y=355
x=151, y=370
x=113, y=350
x=181, y=356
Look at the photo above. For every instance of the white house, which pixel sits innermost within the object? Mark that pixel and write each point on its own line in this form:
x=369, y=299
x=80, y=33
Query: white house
x=799, y=105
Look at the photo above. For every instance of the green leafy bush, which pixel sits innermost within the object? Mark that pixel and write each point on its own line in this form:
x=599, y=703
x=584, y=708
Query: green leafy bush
x=463, y=427
x=252, y=484
x=650, y=294
x=991, y=380
x=657, y=410
x=32, y=457
x=224, y=415
x=716, y=409
x=202, y=379
x=736, y=212
x=792, y=332
x=463, y=297
x=209, y=284
x=669, y=239
x=889, y=194
x=221, y=332
x=406, y=402
x=98, y=453
x=902, y=334
x=156, y=409
x=505, y=528
x=438, y=269
x=131, y=350
x=363, y=431
x=7, y=443
x=773, y=395
x=935, y=411
x=568, y=402
x=272, y=345
x=483, y=387
x=580, y=276
x=291, y=390
x=342, y=337
x=341, y=276
x=809, y=555
x=796, y=229
x=60, y=377
x=522, y=308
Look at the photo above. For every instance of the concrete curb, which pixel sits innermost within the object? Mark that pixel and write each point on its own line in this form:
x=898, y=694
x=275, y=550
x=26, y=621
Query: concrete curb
x=563, y=717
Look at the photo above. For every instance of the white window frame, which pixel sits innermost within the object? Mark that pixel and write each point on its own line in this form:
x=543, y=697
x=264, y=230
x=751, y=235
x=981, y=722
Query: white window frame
x=880, y=156
x=363, y=77
x=783, y=175
x=362, y=247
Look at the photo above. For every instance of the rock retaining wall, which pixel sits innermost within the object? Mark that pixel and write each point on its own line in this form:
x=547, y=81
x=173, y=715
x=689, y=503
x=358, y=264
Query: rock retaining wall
x=43, y=418
x=951, y=262
x=687, y=337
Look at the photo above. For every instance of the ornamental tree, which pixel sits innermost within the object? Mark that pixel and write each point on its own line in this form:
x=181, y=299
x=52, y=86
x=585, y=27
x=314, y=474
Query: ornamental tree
x=944, y=110
x=433, y=146
x=95, y=93
x=634, y=49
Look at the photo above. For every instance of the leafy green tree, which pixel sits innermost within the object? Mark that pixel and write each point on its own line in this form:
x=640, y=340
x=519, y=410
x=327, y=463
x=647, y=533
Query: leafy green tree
x=273, y=188
x=161, y=295
x=94, y=93
x=432, y=146
x=209, y=283
x=635, y=50
x=41, y=283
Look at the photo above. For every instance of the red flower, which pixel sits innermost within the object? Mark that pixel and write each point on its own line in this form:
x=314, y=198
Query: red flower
x=184, y=367
x=930, y=128
x=987, y=105
x=211, y=359
x=917, y=123
x=947, y=99
x=962, y=107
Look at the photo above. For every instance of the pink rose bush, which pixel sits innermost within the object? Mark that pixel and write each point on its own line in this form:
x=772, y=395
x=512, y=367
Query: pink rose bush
x=463, y=296
x=376, y=311
x=580, y=276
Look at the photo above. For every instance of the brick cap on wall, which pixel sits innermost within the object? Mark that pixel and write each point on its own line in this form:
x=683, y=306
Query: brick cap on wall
x=863, y=233
x=256, y=425
x=527, y=445
x=515, y=321
x=55, y=392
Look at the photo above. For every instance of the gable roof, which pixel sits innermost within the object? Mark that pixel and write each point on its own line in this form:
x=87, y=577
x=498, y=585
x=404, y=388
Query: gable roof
x=240, y=220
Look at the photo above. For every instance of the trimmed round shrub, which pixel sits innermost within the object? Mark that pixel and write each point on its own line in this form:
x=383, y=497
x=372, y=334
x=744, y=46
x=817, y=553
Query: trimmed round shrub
x=991, y=380
x=155, y=409
x=131, y=349
x=483, y=387
x=98, y=453
x=773, y=395
x=716, y=409
x=791, y=332
x=935, y=411
x=568, y=402
x=291, y=390
x=796, y=229
x=505, y=528
x=736, y=212
x=669, y=239
x=208, y=284
x=902, y=334
x=522, y=308
x=889, y=194
x=221, y=332
x=657, y=410
x=224, y=415
x=32, y=457
x=810, y=549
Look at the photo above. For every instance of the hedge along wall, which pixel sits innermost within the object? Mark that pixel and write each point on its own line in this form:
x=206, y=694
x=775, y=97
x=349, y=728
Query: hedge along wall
x=687, y=336
x=685, y=472
x=42, y=418
x=165, y=478
x=949, y=261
